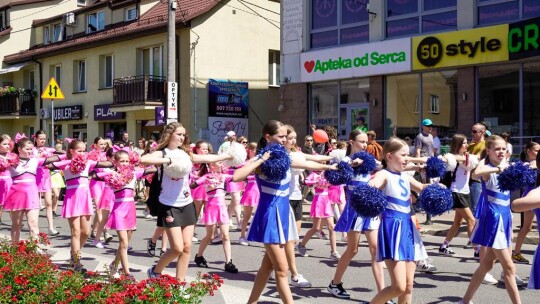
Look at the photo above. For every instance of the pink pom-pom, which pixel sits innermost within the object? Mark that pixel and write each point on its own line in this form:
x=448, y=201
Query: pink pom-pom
x=13, y=159
x=127, y=172
x=115, y=180
x=78, y=163
x=94, y=155
x=4, y=164
x=134, y=158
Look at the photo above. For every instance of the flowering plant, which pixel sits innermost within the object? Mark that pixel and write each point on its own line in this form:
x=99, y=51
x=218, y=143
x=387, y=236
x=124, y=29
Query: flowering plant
x=28, y=276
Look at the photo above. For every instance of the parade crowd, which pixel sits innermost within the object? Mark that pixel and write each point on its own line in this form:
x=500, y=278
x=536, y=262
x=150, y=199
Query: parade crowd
x=236, y=188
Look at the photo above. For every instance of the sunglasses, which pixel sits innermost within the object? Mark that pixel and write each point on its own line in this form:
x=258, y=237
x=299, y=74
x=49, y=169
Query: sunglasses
x=333, y=143
x=309, y=139
x=244, y=142
x=475, y=131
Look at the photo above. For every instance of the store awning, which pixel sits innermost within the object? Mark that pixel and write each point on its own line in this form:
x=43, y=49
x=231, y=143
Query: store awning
x=15, y=67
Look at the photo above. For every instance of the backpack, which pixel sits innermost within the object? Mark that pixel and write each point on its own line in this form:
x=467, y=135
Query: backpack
x=449, y=177
x=155, y=190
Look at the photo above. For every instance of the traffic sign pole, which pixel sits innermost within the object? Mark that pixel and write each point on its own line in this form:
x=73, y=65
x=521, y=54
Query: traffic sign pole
x=52, y=123
x=52, y=91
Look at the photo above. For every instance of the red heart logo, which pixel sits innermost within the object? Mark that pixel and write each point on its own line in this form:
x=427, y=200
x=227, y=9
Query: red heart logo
x=309, y=65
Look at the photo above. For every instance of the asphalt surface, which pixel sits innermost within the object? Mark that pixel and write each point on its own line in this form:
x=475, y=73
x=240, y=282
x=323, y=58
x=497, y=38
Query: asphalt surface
x=446, y=285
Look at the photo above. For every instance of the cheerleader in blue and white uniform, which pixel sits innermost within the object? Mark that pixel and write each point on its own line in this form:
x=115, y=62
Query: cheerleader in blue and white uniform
x=354, y=225
x=399, y=243
x=272, y=224
x=493, y=229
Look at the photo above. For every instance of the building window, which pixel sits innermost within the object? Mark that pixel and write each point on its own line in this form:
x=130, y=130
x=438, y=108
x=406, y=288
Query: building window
x=274, y=68
x=31, y=80
x=3, y=20
x=80, y=68
x=58, y=74
x=58, y=32
x=81, y=2
x=46, y=35
x=325, y=104
x=131, y=14
x=434, y=104
x=106, y=63
x=152, y=61
x=338, y=22
x=504, y=11
x=96, y=22
x=405, y=18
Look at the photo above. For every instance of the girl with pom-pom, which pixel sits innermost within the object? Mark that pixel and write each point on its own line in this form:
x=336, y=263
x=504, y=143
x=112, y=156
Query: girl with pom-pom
x=336, y=193
x=396, y=227
x=23, y=196
x=176, y=211
x=493, y=228
x=235, y=190
x=57, y=181
x=215, y=212
x=321, y=211
x=528, y=155
x=97, y=189
x=104, y=205
x=272, y=224
x=43, y=177
x=199, y=193
x=77, y=207
x=6, y=145
x=460, y=163
x=250, y=197
x=354, y=224
x=531, y=201
x=123, y=217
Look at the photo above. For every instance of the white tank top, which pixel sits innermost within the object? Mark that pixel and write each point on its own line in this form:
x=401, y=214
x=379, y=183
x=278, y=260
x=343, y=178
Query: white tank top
x=175, y=192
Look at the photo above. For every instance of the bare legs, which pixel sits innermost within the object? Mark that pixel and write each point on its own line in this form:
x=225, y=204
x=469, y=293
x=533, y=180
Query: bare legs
x=180, y=239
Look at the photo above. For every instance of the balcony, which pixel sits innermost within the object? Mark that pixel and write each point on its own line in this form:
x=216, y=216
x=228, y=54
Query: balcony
x=17, y=104
x=142, y=90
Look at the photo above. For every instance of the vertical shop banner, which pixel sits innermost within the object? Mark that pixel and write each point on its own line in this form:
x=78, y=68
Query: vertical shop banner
x=159, y=116
x=219, y=126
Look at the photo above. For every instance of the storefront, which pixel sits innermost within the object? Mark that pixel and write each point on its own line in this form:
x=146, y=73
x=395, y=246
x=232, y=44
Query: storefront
x=68, y=122
x=111, y=124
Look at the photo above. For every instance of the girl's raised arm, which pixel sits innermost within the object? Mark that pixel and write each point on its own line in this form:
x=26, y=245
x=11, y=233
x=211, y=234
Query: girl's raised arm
x=528, y=202
x=209, y=158
x=242, y=173
x=311, y=165
x=318, y=158
x=155, y=158
x=379, y=180
x=416, y=185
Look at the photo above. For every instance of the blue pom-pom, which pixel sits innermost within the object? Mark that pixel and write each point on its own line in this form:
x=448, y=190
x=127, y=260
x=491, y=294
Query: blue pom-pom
x=369, y=164
x=342, y=175
x=436, y=199
x=518, y=175
x=276, y=167
x=435, y=167
x=368, y=201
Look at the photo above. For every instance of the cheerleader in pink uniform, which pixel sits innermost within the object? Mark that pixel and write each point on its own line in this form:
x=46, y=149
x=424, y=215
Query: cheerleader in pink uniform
x=199, y=194
x=321, y=210
x=43, y=177
x=23, y=196
x=104, y=205
x=96, y=190
x=215, y=212
x=123, y=217
x=250, y=198
x=77, y=207
x=5, y=176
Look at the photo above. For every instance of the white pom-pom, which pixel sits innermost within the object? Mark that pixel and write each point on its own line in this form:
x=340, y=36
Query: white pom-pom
x=450, y=161
x=238, y=152
x=298, y=156
x=473, y=162
x=337, y=155
x=179, y=167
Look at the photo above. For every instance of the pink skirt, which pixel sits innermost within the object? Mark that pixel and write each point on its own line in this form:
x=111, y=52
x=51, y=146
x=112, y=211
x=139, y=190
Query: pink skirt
x=22, y=196
x=96, y=189
x=251, y=196
x=199, y=193
x=321, y=207
x=215, y=213
x=232, y=187
x=43, y=180
x=5, y=185
x=106, y=199
x=123, y=216
x=77, y=202
x=335, y=194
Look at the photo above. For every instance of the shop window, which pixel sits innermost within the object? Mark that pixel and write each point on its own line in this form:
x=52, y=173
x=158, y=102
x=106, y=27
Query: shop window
x=95, y=22
x=338, y=22
x=434, y=104
x=505, y=11
x=401, y=105
x=80, y=69
x=131, y=13
x=531, y=107
x=106, y=66
x=273, y=68
x=406, y=18
x=324, y=104
x=46, y=34
x=58, y=32
x=439, y=100
x=498, y=89
x=152, y=61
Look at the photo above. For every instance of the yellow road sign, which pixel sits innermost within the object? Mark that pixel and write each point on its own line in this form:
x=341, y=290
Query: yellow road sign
x=52, y=90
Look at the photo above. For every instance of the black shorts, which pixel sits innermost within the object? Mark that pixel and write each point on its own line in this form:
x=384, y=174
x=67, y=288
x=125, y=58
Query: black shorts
x=296, y=206
x=169, y=217
x=461, y=200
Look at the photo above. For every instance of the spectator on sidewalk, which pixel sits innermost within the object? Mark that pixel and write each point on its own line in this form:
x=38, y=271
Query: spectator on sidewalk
x=373, y=147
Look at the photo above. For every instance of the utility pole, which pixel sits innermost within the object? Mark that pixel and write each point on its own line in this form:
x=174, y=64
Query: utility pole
x=171, y=108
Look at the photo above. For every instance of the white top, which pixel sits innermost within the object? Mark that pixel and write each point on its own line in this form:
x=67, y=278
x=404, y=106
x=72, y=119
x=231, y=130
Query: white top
x=294, y=185
x=437, y=145
x=175, y=192
x=463, y=174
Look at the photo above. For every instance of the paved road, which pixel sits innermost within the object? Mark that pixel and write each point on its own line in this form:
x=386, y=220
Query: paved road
x=445, y=286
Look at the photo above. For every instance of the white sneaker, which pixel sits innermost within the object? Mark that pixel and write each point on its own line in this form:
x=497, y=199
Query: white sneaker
x=489, y=279
x=194, y=239
x=53, y=231
x=147, y=214
x=425, y=266
x=98, y=244
x=335, y=255
x=242, y=241
x=300, y=281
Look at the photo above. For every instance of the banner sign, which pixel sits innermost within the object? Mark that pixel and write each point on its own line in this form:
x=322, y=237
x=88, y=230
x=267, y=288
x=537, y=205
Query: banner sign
x=524, y=39
x=105, y=112
x=228, y=98
x=482, y=45
x=159, y=116
x=381, y=58
x=172, y=101
x=219, y=126
x=67, y=113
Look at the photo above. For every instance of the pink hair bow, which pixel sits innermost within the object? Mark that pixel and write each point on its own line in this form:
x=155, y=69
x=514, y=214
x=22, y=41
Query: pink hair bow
x=69, y=140
x=117, y=148
x=19, y=136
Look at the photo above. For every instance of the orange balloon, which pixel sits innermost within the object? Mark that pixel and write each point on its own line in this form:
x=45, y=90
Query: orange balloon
x=320, y=136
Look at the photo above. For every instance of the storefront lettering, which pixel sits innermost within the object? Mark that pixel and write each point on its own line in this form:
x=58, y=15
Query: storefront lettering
x=374, y=58
x=524, y=39
x=68, y=113
x=470, y=48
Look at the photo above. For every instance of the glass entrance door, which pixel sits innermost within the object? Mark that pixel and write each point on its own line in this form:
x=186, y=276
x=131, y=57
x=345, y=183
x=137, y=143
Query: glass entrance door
x=353, y=116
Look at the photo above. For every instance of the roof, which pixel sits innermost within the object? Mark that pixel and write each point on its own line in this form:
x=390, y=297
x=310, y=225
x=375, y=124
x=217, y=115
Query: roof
x=9, y=3
x=153, y=21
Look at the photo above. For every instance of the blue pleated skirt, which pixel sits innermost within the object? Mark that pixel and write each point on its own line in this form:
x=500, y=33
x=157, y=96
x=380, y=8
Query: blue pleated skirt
x=272, y=223
x=494, y=226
